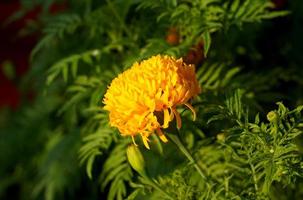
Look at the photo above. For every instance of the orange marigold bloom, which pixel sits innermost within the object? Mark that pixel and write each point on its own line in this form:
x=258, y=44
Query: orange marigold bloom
x=143, y=99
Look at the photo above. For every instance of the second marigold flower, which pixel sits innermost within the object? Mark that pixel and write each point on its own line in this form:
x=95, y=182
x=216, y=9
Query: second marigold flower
x=143, y=99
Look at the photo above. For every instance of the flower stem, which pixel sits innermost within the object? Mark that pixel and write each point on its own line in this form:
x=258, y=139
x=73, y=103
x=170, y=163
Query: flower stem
x=184, y=150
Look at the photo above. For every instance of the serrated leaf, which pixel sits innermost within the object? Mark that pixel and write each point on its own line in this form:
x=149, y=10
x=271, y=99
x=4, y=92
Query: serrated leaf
x=89, y=166
x=134, y=194
x=74, y=68
x=274, y=14
x=65, y=72
x=216, y=118
x=206, y=42
x=50, y=78
x=230, y=73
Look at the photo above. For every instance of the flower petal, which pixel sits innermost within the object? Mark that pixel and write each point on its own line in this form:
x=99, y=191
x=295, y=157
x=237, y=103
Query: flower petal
x=166, y=119
x=192, y=110
x=145, y=141
x=161, y=135
x=171, y=114
x=133, y=139
x=178, y=118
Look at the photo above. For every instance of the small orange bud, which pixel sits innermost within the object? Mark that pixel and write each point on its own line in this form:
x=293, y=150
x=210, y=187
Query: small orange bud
x=173, y=36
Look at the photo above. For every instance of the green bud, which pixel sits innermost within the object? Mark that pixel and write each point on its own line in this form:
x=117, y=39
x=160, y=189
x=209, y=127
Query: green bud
x=272, y=116
x=221, y=137
x=135, y=159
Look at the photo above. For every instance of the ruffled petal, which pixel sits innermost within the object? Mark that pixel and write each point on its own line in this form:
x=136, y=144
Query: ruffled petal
x=145, y=141
x=161, y=135
x=133, y=139
x=178, y=118
x=166, y=119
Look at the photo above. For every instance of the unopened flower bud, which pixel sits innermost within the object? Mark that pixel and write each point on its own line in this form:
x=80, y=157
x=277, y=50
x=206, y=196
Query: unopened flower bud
x=272, y=116
x=135, y=159
x=221, y=137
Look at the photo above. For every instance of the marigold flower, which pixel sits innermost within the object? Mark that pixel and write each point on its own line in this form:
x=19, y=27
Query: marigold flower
x=143, y=99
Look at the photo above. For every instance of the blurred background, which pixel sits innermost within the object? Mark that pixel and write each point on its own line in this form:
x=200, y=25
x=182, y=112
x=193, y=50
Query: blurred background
x=33, y=142
x=24, y=121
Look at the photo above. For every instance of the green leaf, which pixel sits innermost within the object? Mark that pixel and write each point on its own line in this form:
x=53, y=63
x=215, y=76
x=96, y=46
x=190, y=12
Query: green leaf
x=206, y=42
x=89, y=165
x=74, y=68
x=65, y=72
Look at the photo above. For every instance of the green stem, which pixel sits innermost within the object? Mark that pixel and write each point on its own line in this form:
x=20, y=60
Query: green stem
x=253, y=171
x=184, y=150
x=153, y=184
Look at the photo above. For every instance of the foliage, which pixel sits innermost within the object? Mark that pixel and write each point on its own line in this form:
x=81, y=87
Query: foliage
x=65, y=132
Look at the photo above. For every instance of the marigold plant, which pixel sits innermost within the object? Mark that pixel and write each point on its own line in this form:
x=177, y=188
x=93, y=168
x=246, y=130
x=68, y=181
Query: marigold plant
x=143, y=99
x=242, y=146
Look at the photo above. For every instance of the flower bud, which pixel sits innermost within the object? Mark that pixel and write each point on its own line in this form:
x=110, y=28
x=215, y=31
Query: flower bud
x=221, y=137
x=173, y=36
x=272, y=116
x=135, y=159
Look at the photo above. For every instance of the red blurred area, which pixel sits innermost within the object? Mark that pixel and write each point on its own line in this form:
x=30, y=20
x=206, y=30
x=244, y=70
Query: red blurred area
x=173, y=36
x=195, y=55
x=15, y=49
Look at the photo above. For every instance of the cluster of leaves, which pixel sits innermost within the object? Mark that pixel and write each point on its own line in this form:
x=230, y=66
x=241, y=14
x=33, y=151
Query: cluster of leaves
x=247, y=160
x=85, y=47
x=196, y=20
x=264, y=152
